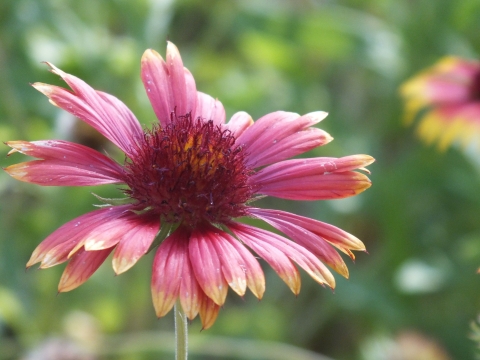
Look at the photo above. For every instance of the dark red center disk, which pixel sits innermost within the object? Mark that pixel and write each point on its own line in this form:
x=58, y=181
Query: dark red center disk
x=189, y=172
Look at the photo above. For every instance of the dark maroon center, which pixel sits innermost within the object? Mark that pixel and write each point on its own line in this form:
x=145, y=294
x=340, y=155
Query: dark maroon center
x=190, y=171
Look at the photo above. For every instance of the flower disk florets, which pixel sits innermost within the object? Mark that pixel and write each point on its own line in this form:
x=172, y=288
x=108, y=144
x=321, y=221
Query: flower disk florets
x=190, y=171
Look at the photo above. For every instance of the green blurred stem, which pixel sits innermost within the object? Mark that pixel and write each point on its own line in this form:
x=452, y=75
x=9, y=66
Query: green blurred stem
x=181, y=333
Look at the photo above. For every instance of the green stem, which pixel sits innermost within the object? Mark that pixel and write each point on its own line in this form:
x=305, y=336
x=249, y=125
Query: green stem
x=181, y=333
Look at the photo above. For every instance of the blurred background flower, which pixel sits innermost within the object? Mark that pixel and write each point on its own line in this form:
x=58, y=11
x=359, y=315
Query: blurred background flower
x=419, y=221
x=446, y=97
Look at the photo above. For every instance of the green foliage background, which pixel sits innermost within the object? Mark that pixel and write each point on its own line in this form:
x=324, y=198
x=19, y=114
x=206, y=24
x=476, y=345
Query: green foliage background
x=420, y=219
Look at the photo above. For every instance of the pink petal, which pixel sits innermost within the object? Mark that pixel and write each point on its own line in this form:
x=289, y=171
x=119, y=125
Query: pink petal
x=275, y=257
x=208, y=312
x=80, y=267
x=134, y=242
x=190, y=293
x=313, y=187
x=191, y=95
x=233, y=265
x=239, y=122
x=313, y=179
x=312, y=166
x=64, y=164
x=274, y=246
x=55, y=173
x=167, y=272
x=104, y=112
x=207, y=265
x=209, y=109
x=253, y=271
x=118, y=110
x=58, y=245
x=278, y=128
x=335, y=236
x=310, y=241
x=295, y=144
x=176, y=78
x=133, y=233
x=155, y=79
x=170, y=87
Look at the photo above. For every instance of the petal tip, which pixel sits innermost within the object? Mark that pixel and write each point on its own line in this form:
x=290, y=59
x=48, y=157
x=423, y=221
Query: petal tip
x=45, y=89
x=150, y=55
x=121, y=265
x=318, y=116
x=172, y=50
x=54, y=69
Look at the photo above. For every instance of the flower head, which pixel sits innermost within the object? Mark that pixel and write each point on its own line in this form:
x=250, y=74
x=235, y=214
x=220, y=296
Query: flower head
x=187, y=181
x=449, y=92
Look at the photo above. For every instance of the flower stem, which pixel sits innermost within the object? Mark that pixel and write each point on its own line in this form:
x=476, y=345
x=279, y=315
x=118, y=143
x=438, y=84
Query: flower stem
x=181, y=333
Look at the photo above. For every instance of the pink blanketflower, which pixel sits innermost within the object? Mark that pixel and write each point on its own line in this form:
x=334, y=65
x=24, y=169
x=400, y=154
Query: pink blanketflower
x=188, y=181
x=449, y=93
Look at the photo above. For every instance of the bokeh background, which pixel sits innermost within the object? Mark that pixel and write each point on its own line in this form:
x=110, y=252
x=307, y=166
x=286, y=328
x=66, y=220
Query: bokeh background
x=416, y=291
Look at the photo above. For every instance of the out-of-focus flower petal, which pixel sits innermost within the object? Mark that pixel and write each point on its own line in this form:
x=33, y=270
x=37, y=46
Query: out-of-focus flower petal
x=447, y=98
x=446, y=82
x=449, y=123
x=63, y=164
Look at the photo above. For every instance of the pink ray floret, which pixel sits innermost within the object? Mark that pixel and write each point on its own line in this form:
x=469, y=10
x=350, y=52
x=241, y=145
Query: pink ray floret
x=187, y=182
x=63, y=164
